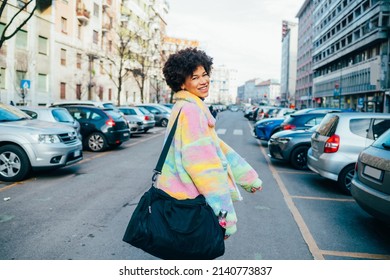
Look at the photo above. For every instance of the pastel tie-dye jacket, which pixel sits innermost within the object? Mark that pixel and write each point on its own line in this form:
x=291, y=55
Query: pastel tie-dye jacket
x=198, y=162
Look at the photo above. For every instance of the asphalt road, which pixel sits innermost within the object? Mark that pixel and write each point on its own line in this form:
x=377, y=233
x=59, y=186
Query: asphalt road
x=81, y=211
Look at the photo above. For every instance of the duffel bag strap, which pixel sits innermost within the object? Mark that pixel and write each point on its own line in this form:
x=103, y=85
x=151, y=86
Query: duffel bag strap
x=157, y=170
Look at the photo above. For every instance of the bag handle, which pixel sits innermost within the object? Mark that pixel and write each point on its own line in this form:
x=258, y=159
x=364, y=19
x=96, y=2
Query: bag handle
x=157, y=170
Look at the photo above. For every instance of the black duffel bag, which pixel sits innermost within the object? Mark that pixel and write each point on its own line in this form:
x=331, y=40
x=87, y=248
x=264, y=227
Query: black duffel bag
x=169, y=228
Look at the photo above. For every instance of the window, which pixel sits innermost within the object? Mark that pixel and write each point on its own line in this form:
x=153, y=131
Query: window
x=101, y=67
x=63, y=57
x=42, y=45
x=21, y=39
x=379, y=127
x=78, y=91
x=42, y=82
x=79, y=30
x=95, y=37
x=101, y=93
x=78, y=61
x=109, y=94
x=64, y=25
x=63, y=90
x=360, y=126
x=95, y=10
x=20, y=75
x=2, y=77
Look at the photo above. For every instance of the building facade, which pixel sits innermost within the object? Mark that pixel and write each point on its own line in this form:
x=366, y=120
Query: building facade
x=351, y=54
x=269, y=92
x=223, y=86
x=304, y=82
x=70, y=51
x=289, y=63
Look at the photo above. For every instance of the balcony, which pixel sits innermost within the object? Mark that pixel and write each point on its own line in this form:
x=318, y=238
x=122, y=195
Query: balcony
x=106, y=27
x=83, y=15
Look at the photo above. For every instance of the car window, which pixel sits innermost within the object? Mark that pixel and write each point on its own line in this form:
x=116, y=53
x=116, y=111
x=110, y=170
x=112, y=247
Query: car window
x=360, y=127
x=314, y=121
x=152, y=109
x=380, y=126
x=62, y=116
x=11, y=113
x=114, y=114
x=30, y=113
x=328, y=125
x=383, y=142
x=143, y=110
x=94, y=116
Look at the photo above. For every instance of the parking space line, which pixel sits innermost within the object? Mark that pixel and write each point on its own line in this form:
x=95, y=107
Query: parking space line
x=324, y=198
x=306, y=234
x=356, y=255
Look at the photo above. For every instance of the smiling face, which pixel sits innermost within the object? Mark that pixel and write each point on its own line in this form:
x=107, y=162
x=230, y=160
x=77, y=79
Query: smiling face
x=198, y=83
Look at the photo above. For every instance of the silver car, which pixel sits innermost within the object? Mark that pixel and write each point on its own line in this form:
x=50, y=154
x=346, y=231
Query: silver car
x=337, y=142
x=160, y=112
x=143, y=118
x=371, y=183
x=56, y=115
x=27, y=144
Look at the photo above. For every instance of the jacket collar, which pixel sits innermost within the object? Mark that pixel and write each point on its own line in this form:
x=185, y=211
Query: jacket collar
x=189, y=97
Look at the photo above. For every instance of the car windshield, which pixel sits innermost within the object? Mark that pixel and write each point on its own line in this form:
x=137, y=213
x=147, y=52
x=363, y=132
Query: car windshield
x=10, y=113
x=116, y=115
x=62, y=116
x=145, y=111
x=383, y=142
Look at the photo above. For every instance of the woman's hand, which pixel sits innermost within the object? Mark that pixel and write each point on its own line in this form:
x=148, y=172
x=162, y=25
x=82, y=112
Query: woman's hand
x=253, y=190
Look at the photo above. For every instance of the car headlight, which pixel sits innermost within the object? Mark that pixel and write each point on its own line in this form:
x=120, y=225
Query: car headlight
x=283, y=140
x=48, y=138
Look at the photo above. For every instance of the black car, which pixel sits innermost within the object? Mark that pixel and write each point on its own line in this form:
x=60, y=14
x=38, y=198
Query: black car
x=100, y=128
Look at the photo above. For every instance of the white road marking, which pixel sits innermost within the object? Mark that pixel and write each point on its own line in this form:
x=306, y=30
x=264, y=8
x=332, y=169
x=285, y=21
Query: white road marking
x=238, y=132
x=221, y=131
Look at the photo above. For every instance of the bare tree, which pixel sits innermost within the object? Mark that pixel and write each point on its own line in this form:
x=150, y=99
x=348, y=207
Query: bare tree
x=21, y=16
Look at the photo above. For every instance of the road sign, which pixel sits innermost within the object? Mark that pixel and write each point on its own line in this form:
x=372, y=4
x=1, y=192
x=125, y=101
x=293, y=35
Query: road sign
x=25, y=84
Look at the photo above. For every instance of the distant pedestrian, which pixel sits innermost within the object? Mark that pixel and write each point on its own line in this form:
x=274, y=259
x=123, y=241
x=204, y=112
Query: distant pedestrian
x=213, y=111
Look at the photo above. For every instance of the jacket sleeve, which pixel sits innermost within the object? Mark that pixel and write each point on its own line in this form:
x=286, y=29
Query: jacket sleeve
x=202, y=163
x=243, y=173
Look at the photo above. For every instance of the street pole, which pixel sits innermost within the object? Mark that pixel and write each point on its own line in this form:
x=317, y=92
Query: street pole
x=340, y=84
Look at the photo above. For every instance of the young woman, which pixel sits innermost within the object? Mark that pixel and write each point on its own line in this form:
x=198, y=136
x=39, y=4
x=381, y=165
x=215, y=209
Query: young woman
x=198, y=162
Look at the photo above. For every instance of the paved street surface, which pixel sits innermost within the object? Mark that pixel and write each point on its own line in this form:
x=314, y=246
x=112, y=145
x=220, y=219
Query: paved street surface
x=81, y=211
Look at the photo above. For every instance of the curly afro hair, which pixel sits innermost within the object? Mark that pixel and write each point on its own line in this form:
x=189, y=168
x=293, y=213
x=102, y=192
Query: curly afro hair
x=182, y=64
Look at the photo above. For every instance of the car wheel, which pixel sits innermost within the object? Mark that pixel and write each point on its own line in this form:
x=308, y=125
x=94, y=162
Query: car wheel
x=298, y=157
x=14, y=164
x=164, y=122
x=345, y=178
x=96, y=142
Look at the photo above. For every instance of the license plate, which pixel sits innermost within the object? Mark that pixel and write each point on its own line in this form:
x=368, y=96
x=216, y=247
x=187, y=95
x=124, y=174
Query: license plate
x=373, y=172
x=77, y=153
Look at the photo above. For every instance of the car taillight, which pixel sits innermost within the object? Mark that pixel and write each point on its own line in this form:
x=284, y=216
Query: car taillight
x=332, y=145
x=110, y=122
x=289, y=126
x=147, y=118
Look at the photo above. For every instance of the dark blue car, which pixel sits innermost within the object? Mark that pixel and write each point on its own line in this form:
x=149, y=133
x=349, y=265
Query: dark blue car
x=265, y=128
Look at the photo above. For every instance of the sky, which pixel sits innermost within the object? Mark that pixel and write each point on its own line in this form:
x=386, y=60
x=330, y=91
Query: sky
x=242, y=34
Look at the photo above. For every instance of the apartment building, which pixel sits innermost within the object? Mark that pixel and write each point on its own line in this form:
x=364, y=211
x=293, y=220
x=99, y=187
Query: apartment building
x=70, y=51
x=289, y=63
x=304, y=81
x=223, y=85
x=269, y=92
x=351, y=54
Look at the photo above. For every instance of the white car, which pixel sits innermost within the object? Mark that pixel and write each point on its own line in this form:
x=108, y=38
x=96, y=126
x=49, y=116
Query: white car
x=27, y=144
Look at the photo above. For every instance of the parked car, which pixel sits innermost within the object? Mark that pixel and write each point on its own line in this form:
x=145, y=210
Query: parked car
x=160, y=112
x=303, y=119
x=338, y=140
x=371, y=183
x=168, y=105
x=283, y=112
x=56, y=115
x=265, y=128
x=27, y=145
x=133, y=114
x=100, y=128
x=291, y=146
x=99, y=104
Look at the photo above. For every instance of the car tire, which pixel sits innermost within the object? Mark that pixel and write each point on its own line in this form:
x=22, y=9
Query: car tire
x=298, y=157
x=96, y=142
x=345, y=178
x=14, y=162
x=164, y=122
